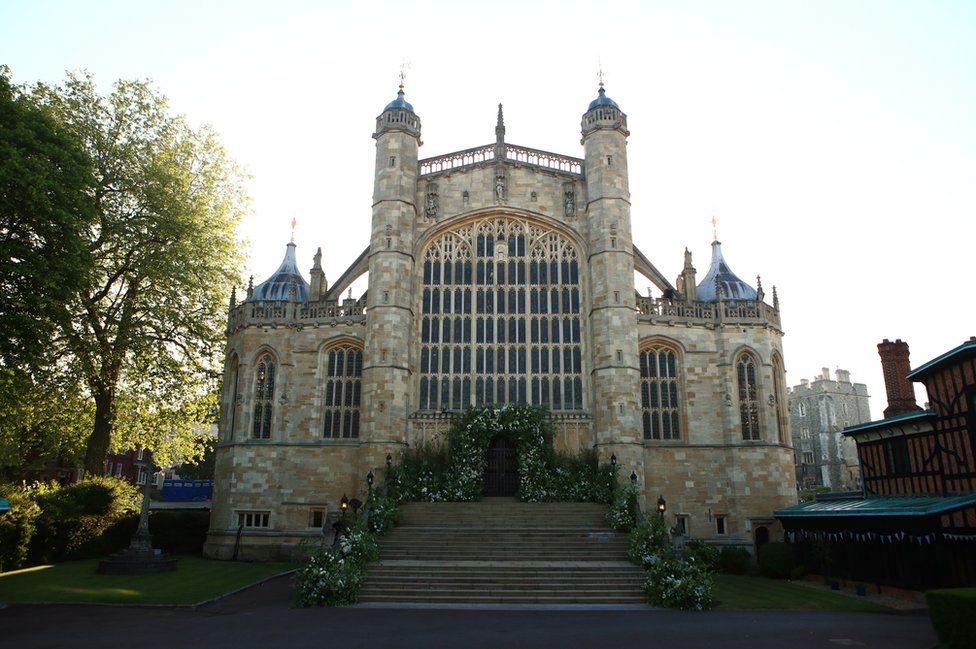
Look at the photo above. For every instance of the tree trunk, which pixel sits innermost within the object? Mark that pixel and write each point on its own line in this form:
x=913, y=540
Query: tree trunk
x=101, y=434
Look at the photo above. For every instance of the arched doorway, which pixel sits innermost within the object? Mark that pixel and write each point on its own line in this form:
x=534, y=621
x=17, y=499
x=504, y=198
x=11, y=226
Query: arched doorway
x=761, y=537
x=501, y=472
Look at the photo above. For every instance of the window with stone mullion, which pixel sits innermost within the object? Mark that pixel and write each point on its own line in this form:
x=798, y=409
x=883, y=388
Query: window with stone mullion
x=343, y=392
x=659, y=393
x=264, y=385
x=748, y=397
x=478, y=309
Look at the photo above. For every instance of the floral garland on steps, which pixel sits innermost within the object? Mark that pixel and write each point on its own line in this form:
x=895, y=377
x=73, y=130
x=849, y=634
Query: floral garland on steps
x=456, y=470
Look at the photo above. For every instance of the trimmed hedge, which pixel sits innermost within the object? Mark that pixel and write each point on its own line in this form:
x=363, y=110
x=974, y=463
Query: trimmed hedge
x=776, y=560
x=16, y=527
x=953, y=613
x=92, y=518
x=734, y=560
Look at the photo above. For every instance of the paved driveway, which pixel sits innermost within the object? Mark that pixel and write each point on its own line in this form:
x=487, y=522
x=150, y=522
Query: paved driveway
x=262, y=617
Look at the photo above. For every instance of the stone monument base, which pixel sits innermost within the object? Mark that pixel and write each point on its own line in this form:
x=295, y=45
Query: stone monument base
x=129, y=562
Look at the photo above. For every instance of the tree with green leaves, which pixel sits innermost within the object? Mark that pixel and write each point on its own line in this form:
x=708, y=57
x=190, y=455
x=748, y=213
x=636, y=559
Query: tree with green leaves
x=145, y=330
x=46, y=216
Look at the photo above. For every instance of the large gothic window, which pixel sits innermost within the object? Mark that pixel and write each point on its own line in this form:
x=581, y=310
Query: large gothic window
x=264, y=385
x=745, y=368
x=500, y=318
x=659, y=389
x=343, y=389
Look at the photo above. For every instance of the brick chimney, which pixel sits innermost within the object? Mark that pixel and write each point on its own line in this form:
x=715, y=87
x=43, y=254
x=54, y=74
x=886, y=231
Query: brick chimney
x=894, y=363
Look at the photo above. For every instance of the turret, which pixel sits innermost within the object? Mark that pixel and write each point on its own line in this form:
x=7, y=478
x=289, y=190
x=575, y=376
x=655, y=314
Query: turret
x=612, y=298
x=386, y=395
x=721, y=279
x=285, y=285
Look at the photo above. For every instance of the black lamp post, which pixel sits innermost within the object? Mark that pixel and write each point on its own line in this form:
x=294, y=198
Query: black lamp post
x=389, y=461
x=343, y=506
x=369, y=486
x=633, y=479
x=661, y=506
x=613, y=460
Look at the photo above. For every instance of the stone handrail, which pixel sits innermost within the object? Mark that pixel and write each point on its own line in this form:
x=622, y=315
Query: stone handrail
x=661, y=310
x=519, y=155
x=457, y=160
x=544, y=159
x=295, y=313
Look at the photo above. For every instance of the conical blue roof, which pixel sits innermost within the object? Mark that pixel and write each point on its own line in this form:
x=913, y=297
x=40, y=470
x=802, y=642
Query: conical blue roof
x=277, y=288
x=733, y=288
x=602, y=100
x=399, y=102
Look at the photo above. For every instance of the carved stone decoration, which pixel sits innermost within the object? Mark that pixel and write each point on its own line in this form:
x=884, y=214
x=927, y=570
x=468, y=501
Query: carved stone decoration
x=465, y=198
x=570, y=203
x=431, y=202
x=500, y=188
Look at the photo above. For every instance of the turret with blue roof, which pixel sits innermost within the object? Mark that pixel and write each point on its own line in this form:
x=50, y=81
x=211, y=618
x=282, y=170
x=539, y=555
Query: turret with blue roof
x=278, y=287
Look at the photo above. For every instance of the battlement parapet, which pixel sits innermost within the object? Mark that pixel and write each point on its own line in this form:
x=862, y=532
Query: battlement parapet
x=507, y=153
x=295, y=314
x=740, y=312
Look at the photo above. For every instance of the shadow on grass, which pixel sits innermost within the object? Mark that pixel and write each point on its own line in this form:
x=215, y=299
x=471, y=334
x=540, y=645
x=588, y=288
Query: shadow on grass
x=195, y=580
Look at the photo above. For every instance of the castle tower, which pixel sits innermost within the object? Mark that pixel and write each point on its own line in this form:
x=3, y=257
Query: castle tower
x=613, y=325
x=386, y=374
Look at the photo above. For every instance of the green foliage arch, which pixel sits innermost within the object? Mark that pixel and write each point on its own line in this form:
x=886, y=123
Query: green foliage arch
x=455, y=471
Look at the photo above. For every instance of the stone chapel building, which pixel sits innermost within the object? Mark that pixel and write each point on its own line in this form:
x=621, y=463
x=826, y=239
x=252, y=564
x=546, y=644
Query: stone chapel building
x=501, y=274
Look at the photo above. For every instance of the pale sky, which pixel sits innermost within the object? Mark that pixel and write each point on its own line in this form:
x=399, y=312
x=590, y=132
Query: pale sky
x=834, y=141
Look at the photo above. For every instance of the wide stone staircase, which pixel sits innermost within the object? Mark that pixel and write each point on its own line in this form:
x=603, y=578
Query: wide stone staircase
x=501, y=551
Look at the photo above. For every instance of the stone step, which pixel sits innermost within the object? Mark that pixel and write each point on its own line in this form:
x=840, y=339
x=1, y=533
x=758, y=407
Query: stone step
x=451, y=572
x=501, y=551
x=539, y=597
x=484, y=584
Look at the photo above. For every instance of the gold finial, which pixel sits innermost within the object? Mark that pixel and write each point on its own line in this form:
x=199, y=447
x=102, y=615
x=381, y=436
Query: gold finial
x=599, y=73
x=714, y=228
x=294, y=222
x=403, y=73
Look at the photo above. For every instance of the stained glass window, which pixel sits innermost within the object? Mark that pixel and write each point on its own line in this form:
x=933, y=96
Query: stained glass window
x=264, y=387
x=516, y=285
x=659, y=393
x=343, y=391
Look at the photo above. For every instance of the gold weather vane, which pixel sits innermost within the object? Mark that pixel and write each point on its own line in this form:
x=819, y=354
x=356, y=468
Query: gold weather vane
x=294, y=222
x=403, y=73
x=599, y=73
x=714, y=227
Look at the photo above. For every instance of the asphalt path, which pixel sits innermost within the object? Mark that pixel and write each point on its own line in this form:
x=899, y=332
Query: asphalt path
x=263, y=617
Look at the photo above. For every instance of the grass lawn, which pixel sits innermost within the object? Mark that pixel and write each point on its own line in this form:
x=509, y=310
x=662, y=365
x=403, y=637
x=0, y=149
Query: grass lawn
x=744, y=592
x=195, y=580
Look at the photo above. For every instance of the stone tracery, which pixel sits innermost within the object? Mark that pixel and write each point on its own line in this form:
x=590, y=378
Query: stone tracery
x=500, y=317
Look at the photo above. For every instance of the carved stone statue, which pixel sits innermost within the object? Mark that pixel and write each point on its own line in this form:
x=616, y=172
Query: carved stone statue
x=500, y=187
x=430, y=205
x=570, y=203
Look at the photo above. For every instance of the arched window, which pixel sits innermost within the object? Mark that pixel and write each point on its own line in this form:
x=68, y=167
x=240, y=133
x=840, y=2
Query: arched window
x=512, y=289
x=660, y=405
x=264, y=386
x=745, y=368
x=234, y=376
x=779, y=391
x=343, y=390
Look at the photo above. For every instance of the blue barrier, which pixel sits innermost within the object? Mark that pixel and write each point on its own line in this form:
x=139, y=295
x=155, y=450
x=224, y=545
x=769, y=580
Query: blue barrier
x=187, y=490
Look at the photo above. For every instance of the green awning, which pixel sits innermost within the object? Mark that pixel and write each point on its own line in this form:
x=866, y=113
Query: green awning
x=876, y=506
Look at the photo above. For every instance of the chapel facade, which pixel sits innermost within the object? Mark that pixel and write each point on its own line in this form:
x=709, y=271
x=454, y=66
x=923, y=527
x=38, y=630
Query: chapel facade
x=501, y=275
